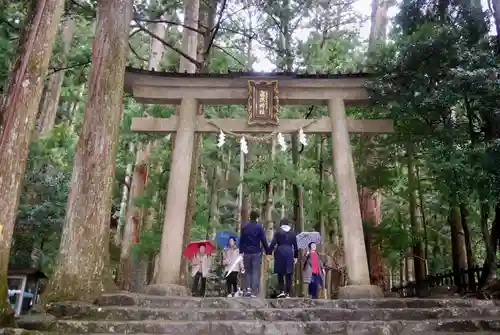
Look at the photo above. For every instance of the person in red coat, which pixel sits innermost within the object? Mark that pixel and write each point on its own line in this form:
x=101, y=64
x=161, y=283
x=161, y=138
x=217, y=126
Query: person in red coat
x=313, y=271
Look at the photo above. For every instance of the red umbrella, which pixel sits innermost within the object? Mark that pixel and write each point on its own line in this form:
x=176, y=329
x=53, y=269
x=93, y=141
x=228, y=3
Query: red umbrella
x=193, y=247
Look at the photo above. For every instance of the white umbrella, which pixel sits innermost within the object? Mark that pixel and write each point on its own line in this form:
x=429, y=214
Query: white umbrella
x=305, y=238
x=233, y=265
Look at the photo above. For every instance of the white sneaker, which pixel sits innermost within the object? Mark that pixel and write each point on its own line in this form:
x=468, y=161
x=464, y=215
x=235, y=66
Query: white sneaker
x=253, y=296
x=229, y=295
x=281, y=295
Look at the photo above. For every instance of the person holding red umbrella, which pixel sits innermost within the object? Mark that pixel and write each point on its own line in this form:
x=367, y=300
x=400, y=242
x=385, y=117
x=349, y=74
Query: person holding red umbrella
x=200, y=265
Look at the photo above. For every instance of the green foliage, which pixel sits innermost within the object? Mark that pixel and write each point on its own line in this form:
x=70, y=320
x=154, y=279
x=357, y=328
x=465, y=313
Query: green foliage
x=436, y=81
x=43, y=202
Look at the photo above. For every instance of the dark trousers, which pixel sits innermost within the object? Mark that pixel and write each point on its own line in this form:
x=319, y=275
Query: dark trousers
x=252, y=263
x=199, y=285
x=314, y=285
x=232, y=282
x=285, y=283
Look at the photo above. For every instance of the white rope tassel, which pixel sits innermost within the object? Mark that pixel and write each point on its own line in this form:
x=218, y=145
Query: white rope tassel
x=243, y=146
x=221, y=139
x=302, y=137
x=281, y=141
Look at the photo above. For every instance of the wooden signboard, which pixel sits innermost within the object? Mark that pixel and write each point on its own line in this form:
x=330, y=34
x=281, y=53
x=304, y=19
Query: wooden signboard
x=263, y=102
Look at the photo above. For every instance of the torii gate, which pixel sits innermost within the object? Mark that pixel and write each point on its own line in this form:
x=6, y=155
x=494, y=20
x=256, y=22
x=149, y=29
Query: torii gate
x=263, y=93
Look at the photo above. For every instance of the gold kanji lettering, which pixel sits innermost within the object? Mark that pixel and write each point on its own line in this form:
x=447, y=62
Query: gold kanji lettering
x=263, y=102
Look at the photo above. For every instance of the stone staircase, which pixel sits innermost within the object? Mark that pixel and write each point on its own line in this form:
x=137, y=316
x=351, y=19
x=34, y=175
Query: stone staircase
x=142, y=314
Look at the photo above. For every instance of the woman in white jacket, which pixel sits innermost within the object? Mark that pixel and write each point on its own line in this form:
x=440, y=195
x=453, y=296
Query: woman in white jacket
x=200, y=269
x=231, y=256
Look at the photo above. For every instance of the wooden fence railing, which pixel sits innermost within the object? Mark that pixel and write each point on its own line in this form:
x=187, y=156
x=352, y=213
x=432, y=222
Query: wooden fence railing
x=465, y=281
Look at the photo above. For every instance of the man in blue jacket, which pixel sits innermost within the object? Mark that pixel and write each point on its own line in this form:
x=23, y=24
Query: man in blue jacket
x=251, y=239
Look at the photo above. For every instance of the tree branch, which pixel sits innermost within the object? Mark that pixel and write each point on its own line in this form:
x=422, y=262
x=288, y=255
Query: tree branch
x=135, y=52
x=232, y=56
x=134, y=32
x=215, y=29
x=180, y=52
x=253, y=37
x=138, y=19
x=54, y=70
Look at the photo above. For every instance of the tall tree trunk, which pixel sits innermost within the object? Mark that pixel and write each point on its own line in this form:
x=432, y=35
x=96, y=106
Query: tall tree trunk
x=320, y=214
x=226, y=176
x=492, y=241
x=464, y=214
x=239, y=213
x=123, y=201
x=422, y=215
x=495, y=6
x=147, y=270
x=298, y=213
x=134, y=219
x=156, y=47
x=136, y=270
x=379, y=20
x=416, y=223
x=286, y=63
x=18, y=111
x=213, y=210
x=50, y=102
x=458, y=246
x=283, y=199
x=402, y=271
x=370, y=199
x=156, y=50
x=204, y=19
x=243, y=214
x=410, y=266
x=267, y=215
x=246, y=202
x=81, y=271
x=370, y=203
x=320, y=172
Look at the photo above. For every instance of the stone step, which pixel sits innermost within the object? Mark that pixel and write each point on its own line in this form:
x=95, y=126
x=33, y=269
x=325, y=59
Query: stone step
x=20, y=331
x=415, y=333
x=412, y=333
x=272, y=328
x=141, y=300
x=132, y=313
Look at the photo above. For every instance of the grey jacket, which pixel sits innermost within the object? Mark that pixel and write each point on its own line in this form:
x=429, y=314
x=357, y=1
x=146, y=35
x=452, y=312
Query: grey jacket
x=307, y=269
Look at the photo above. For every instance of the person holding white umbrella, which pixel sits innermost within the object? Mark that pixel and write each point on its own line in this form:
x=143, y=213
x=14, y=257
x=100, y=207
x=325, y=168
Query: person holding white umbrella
x=233, y=265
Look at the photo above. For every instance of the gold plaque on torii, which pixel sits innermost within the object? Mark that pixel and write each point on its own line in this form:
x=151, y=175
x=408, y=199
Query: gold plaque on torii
x=263, y=102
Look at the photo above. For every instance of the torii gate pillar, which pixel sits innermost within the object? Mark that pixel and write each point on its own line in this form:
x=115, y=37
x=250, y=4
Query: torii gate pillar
x=166, y=281
x=350, y=214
